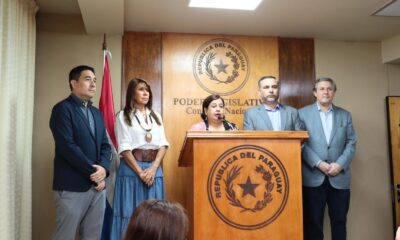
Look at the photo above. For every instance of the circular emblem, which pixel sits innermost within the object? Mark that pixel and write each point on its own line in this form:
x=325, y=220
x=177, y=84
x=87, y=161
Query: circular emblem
x=248, y=187
x=220, y=66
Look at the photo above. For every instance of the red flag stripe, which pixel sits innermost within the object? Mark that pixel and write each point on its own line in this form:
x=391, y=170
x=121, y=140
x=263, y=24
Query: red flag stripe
x=107, y=102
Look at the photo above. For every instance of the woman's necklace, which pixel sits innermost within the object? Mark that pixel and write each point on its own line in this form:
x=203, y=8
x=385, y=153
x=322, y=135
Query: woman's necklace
x=148, y=136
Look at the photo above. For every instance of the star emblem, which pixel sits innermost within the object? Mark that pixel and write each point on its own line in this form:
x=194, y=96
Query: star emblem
x=248, y=187
x=221, y=66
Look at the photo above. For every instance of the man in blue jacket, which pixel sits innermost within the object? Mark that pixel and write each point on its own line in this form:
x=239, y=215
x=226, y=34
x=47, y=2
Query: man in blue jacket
x=271, y=115
x=81, y=161
x=326, y=156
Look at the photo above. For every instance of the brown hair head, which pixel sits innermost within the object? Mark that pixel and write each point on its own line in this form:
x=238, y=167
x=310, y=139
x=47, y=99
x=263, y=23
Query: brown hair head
x=130, y=96
x=158, y=220
x=207, y=102
x=324, y=79
x=265, y=77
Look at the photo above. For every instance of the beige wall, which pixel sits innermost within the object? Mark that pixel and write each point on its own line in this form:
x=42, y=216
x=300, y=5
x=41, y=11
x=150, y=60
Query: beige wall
x=61, y=45
x=362, y=83
x=391, y=50
x=393, y=73
x=357, y=67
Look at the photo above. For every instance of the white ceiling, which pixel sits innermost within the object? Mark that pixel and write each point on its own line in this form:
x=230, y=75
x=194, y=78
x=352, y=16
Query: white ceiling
x=325, y=19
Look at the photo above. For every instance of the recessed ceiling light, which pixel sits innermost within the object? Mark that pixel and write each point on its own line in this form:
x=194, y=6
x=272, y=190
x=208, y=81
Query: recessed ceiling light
x=226, y=4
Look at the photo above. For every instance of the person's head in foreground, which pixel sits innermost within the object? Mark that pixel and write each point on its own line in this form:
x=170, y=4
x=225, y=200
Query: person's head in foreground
x=158, y=220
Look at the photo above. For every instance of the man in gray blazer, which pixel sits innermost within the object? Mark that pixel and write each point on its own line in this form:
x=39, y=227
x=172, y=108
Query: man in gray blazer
x=326, y=158
x=271, y=115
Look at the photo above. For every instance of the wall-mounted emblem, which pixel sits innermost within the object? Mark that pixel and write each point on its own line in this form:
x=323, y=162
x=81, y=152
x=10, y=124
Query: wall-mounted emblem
x=221, y=66
x=248, y=187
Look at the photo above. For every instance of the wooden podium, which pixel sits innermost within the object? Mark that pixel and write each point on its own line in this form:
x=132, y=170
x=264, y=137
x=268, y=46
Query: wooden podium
x=244, y=185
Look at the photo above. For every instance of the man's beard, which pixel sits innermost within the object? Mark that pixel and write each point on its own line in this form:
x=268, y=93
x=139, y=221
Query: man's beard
x=268, y=99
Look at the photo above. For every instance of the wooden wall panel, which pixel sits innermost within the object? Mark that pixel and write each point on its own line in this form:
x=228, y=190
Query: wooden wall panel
x=182, y=94
x=393, y=117
x=142, y=58
x=296, y=71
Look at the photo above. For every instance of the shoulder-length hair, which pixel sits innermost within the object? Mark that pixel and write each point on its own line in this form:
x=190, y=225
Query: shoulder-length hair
x=206, y=104
x=130, y=96
x=158, y=220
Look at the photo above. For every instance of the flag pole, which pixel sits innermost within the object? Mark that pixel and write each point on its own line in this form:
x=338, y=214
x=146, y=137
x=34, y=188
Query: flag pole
x=106, y=106
x=104, y=50
x=104, y=42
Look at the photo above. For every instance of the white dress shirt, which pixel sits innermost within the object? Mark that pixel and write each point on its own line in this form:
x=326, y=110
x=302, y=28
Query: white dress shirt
x=326, y=120
x=275, y=116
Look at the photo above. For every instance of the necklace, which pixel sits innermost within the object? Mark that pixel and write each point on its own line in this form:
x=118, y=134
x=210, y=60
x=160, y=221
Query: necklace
x=148, y=136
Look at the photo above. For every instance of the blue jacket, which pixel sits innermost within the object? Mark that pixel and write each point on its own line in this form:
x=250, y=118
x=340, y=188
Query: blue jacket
x=341, y=148
x=76, y=148
x=256, y=118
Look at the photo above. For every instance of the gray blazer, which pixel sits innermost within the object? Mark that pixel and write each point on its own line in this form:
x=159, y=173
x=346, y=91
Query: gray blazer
x=341, y=146
x=256, y=118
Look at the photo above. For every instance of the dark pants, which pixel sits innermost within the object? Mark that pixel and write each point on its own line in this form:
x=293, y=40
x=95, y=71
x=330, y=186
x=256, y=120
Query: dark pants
x=314, y=202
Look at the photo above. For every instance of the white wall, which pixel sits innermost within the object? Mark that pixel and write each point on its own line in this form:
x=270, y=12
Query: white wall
x=362, y=83
x=61, y=45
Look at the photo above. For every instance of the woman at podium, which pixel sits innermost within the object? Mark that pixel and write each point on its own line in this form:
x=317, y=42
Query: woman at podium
x=213, y=116
x=142, y=145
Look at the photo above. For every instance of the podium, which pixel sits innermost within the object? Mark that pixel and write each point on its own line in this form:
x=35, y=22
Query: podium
x=244, y=185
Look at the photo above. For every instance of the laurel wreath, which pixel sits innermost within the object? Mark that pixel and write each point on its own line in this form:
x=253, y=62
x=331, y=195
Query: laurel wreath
x=231, y=194
x=235, y=73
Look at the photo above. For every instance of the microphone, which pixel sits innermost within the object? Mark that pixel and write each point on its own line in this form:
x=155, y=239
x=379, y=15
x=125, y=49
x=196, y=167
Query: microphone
x=220, y=117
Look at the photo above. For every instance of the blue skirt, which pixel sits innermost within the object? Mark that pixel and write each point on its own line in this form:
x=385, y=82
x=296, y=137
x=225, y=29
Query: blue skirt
x=129, y=192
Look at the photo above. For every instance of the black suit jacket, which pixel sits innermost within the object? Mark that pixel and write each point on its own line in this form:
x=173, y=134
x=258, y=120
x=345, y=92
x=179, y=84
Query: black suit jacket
x=76, y=148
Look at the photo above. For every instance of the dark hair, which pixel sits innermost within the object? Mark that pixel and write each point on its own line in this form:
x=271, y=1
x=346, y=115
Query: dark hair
x=265, y=77
x=158, y=220
x=130, y=95
x=76, y=72
x=207, y=102
x=324, y=79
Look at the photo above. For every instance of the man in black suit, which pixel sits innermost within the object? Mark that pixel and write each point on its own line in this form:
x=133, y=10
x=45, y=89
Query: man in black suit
x=81, y=161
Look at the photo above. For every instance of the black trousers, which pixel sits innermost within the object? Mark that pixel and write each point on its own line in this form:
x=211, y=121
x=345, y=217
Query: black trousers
x=314, y=202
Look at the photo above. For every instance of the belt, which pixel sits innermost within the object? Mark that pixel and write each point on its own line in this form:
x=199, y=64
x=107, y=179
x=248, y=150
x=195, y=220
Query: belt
x=144, y=155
